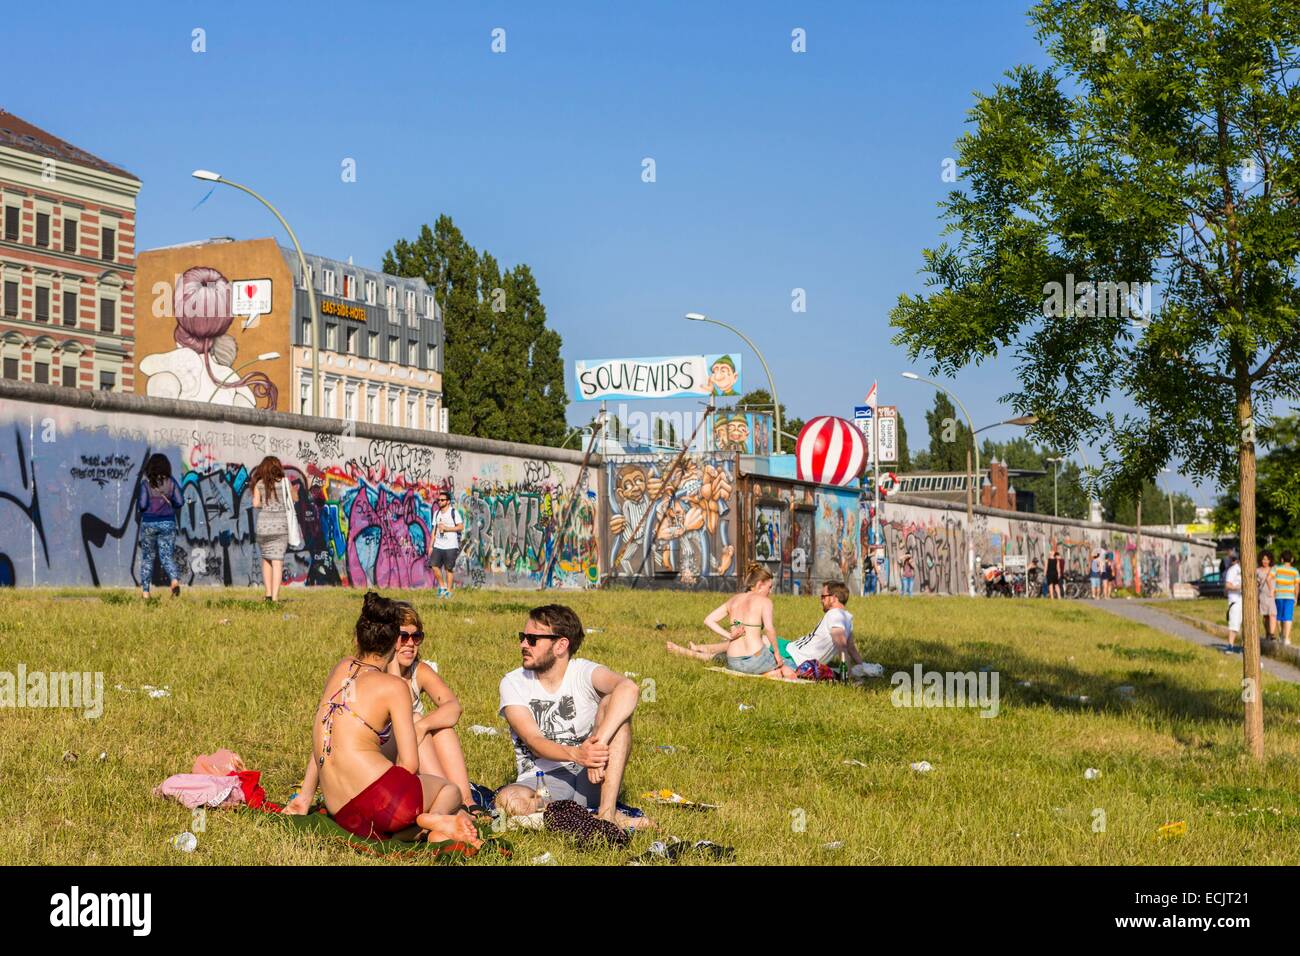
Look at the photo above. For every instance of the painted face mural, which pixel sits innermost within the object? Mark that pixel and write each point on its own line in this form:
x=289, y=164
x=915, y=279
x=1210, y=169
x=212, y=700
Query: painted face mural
x=200, y=368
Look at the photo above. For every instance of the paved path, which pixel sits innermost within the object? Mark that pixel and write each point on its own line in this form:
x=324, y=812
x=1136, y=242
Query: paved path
x=1151, y=617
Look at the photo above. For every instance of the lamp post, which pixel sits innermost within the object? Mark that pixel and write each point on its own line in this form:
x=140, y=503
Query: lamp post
x=776, y=405
x=209, y=176
x=1056, y=471
x=970, y=478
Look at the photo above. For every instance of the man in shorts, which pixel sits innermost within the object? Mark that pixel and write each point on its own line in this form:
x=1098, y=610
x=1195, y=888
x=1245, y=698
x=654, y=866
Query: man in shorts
x=448, y=526
x=570, y=720
x=1285, y=578
x=1232, y=587
x=832, y=635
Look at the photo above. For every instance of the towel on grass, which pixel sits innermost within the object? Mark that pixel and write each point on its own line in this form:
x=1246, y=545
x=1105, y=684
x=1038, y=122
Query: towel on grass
x=443, y=851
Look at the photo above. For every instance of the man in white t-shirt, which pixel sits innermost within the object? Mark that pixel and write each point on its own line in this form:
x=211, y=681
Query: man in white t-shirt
x=570, y=719
x=447, y=528
x=1232, y=587
x=833, y=634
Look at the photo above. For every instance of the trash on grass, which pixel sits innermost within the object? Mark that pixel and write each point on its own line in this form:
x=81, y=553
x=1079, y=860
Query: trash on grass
x=480, y=729
x=544, y=860
x=1092, y=773
x=666, y=748
x=1173, y=829
x=922, y=766
x=185, y=842
x=745, y=707
x=855, y=763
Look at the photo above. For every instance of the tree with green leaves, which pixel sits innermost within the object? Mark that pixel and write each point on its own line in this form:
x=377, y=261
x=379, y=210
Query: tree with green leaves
x=1277, y=508
x=1069, y=492
x=760, y=400
x=1157, y=150
x=503, y=376
x=950, y=437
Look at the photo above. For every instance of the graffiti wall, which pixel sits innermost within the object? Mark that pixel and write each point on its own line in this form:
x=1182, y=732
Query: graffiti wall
x=672, y=524
x=820, y=530
x=936, y=539
x=68, y=514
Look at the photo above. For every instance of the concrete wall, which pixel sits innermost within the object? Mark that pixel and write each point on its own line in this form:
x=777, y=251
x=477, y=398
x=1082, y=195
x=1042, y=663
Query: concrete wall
x=935, y=533
x=70, y=461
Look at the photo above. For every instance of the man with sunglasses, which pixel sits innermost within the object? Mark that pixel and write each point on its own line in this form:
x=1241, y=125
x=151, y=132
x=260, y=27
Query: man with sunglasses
x=832, y=635
x=570, y=720
x=447, y=529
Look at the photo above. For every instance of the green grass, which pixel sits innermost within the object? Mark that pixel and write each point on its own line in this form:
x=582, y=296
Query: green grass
x=1009, y=789
x=1214, y=610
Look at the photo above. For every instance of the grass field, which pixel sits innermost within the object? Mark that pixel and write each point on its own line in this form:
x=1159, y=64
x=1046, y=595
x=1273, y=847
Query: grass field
x=1008, y=789
x=1214, y=610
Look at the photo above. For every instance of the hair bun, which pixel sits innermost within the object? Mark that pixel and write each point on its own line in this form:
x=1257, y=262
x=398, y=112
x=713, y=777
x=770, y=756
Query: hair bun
x=376, y=607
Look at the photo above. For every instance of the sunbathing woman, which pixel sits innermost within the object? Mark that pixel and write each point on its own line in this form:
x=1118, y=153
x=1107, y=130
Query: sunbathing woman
x=749, y=644
x=439, y=747
x=365, y=793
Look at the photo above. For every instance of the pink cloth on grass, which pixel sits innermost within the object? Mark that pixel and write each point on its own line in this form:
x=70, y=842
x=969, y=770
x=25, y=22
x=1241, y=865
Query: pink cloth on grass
x=219, y=763
x=201, y=790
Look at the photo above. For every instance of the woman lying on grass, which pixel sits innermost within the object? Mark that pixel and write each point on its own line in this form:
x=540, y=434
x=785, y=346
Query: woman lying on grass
x=750, y=641
x=365, y=792
x=439, y=746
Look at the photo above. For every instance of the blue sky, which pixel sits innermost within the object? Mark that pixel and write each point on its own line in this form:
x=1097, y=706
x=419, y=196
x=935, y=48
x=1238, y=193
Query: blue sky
x=774, y=170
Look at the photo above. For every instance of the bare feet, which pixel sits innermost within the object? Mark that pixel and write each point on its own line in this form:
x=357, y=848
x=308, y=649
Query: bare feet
x=451, y=826
x=674, y=648
x=623, y=821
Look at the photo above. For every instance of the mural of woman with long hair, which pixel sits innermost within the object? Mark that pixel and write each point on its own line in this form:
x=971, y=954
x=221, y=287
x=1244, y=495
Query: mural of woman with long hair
x=200, y=368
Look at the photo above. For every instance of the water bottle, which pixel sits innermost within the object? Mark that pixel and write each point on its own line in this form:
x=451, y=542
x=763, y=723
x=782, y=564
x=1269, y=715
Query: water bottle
x=543, y=794
x=185, y=842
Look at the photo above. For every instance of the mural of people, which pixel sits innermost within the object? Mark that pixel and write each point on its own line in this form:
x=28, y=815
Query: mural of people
x=723, y=376
x=201, y=367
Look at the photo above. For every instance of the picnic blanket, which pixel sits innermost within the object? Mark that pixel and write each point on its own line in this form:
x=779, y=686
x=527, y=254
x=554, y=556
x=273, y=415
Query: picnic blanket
x=444, y=851
x=727, y=670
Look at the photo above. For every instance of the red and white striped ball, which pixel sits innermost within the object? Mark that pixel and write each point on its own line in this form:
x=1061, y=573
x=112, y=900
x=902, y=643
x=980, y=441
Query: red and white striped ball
x=831, y=451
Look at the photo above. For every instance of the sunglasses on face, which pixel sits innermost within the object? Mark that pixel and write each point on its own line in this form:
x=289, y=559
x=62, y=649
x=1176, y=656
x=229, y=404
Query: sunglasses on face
x=415, y=637
x=532, y=639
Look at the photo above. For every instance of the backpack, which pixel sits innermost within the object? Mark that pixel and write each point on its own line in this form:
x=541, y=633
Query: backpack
x=814, y=670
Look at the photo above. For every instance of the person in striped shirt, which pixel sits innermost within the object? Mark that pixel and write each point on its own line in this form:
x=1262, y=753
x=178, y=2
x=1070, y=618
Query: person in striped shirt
x=1284, y=590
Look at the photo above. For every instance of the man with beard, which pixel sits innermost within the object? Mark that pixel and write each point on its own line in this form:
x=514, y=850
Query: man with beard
x=570, y=720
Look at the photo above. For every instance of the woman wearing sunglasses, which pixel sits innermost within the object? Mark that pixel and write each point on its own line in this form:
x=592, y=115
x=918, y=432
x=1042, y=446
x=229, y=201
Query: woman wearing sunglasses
x=361, y=708
x=439, y=746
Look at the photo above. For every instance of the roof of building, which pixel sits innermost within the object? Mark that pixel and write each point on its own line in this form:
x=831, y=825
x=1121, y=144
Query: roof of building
x=17, y=133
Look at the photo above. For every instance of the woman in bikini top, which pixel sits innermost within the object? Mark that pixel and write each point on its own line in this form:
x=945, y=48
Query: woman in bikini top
x=751, y=618
x=347, y=760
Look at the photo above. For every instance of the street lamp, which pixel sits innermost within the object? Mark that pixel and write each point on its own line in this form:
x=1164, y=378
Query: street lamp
x=776, y=405
x=208, y=176
x=1056, y=470
x=970, y=478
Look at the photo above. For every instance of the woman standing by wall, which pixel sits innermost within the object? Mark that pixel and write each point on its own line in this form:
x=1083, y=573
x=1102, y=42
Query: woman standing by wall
x=158, y=499
x=273, y=512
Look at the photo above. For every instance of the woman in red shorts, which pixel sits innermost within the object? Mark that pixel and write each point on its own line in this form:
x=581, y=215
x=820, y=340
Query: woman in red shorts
x=361, y=707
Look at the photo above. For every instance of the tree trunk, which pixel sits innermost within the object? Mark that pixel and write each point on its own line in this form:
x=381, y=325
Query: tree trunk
x=1137, y=552
x=1252, y=691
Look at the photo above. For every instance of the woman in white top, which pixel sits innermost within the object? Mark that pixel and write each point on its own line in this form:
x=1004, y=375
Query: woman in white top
x=439, y=746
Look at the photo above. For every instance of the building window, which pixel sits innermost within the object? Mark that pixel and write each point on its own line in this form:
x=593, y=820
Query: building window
x=411, y=355
x=410, y=414
x=410, y=300
x=327, y=279
x=42, y=303
x=70, y=308
x=349, y=404
x=43, y=229
x=42, y=371
x=350, y=339
x=69, y=235
x=12, y=217
x=107, y=381
x=107, y=315
x=392, y=410
x=390, y=296
x=430, y=420
x=69, y=375
x=304, y=398
x=372, y=408
x=372, y=345
x=394, y=349
x=310, y=277
x=11, y=368
x=11, y=300
x=306, y=332
x=328, y=398
x=349, y=287
x=431, y=356
x=428, y=306
x=107, y=244
x=370, y=291
x=329, y=337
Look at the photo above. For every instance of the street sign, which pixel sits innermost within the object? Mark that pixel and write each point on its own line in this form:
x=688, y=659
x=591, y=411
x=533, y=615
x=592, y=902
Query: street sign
x=865, y=417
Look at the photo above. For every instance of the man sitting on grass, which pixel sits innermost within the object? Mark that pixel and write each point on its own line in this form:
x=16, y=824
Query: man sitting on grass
x=833, y=635
x=570, y=719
